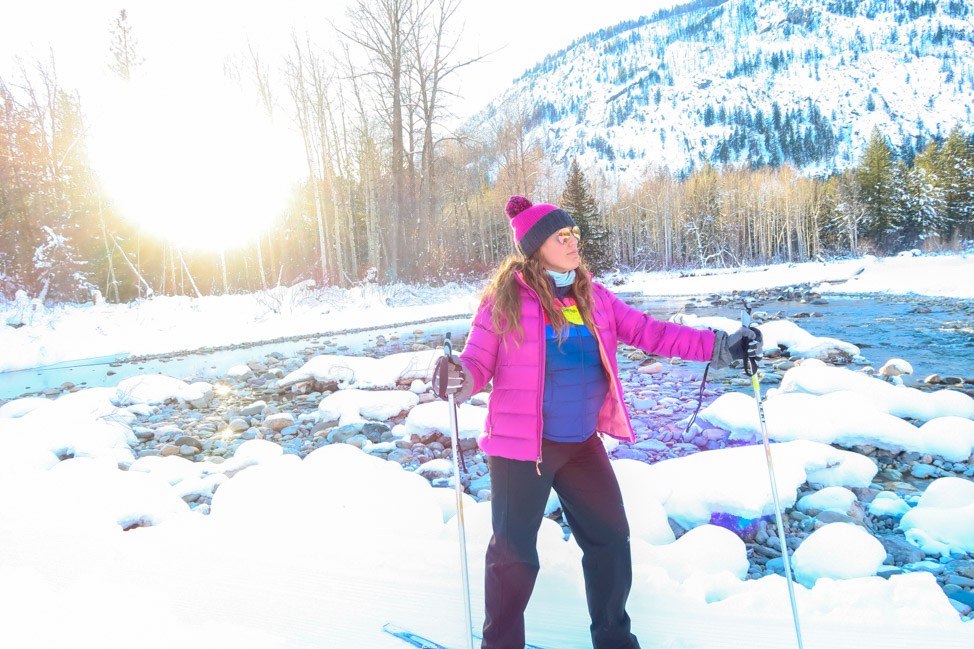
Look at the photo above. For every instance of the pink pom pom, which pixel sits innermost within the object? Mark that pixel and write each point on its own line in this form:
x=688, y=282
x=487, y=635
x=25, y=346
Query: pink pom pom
x=516, y=205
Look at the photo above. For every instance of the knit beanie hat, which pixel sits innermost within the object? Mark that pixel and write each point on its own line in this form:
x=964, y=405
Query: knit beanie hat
x=533, y=224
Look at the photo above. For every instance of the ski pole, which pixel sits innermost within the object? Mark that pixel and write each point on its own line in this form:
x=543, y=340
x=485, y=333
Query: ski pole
x=444, y=372
x=751, y=370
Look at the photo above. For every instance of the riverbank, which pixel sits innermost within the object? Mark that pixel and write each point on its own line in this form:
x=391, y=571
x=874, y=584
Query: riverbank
x=254, y=403
x=249, y=469
x=35, y=335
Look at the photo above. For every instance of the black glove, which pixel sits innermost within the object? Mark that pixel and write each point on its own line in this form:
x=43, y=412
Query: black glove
x=746, y=344
x=450, y=377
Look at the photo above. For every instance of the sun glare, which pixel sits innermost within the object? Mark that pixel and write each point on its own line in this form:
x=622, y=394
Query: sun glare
x=203, y=168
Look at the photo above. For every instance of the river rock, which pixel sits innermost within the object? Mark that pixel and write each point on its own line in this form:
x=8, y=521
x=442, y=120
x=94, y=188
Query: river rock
x=899, y=551
x=401, y=456
x=963, y=596
x=630, y=453
x=890, y=474
x=651, y=445
x=186, y=440
x=255, y=408
x=480, y=483
x=290, y=431
x=654, y=367
x=925, y=471
x=714, y=434
x=239, y=371
x=376, y=432
x=168, y=450
x=643, y=403
x=342, y=434
x=279, y=421
x=824, y=518
x=964, y=567
x=359, y=441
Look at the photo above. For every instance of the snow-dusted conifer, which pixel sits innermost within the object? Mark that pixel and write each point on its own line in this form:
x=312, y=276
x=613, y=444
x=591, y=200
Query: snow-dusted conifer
x=578, y=201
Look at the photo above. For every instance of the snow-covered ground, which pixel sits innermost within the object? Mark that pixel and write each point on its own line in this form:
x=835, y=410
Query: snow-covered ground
x=36, y=336
x=321, y=551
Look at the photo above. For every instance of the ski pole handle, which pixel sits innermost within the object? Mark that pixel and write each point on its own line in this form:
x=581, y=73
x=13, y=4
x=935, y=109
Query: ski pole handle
x=448, y=346
x=750, y=360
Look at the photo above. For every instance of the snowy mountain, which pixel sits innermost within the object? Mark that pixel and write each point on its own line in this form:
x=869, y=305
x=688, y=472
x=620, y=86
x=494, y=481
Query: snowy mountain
x=752, y=81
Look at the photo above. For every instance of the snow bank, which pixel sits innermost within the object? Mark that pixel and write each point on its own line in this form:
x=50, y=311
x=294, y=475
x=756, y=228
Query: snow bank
x=943, y=519
x=434, y=416
x=833, y=405
x=888, y=503
x=815, y=377
x=799, y=342
x=836, y=499
x=697, y=484
x=777, y=332
x=815, y=558
x=354, y=406
x=363, y=372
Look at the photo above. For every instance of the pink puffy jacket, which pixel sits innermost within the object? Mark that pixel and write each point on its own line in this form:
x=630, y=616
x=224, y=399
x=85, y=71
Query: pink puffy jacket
x=513, y=428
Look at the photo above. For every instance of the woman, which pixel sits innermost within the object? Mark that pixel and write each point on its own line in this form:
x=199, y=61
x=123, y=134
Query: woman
x=546, y=334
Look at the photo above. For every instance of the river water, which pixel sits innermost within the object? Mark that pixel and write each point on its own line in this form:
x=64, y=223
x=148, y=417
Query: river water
x=936, y=335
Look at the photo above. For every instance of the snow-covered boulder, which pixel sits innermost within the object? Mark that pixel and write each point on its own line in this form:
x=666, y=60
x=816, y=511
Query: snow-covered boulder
x=835, y=499
x=698, y=489
x=435, y=417
x=352, y=406
x=943, y=519
x=861, y=554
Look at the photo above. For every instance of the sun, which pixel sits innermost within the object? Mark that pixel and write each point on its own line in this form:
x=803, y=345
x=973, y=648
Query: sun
x=201, y=166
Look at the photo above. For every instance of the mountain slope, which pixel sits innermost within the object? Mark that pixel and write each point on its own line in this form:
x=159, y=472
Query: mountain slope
x=754, y=82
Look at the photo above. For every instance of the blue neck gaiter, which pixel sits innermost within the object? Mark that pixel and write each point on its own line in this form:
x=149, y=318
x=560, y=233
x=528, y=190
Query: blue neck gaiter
x=562, y=279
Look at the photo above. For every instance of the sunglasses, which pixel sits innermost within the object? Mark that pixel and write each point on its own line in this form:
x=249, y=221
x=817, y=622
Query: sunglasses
x=567, y=233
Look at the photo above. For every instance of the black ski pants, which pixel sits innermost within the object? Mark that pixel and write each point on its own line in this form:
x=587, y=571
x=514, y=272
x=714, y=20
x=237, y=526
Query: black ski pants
x=582, y=477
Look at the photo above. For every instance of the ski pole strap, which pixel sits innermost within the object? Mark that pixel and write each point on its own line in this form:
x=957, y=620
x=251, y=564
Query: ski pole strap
x=441, y=377
x=459, y=453
x=703, y=383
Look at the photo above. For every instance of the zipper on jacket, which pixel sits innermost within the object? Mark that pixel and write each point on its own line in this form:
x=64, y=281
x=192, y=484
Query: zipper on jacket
x=541, y=368
x=614, y=382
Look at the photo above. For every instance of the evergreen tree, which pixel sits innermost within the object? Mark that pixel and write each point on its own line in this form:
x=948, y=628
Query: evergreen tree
x=924, y=213
x=578, y=201
x=846, y=210
x=955, y=164
x=876, y=176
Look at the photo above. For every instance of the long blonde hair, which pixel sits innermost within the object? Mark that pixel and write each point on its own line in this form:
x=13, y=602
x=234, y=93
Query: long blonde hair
x=502, y=293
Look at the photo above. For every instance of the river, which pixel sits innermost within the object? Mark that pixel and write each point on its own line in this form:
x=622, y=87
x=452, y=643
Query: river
x=936, y=335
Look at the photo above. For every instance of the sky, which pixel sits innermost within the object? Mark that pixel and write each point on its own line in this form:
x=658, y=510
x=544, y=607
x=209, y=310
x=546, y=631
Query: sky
x=243, y=165
x=323, y=551
x=191, y=39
